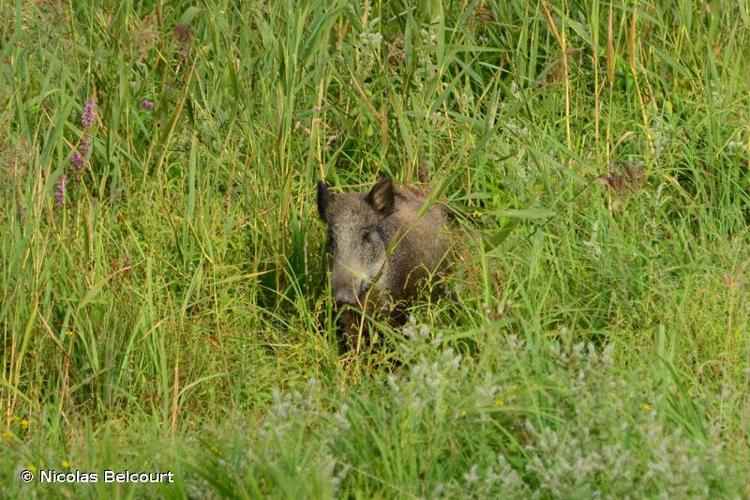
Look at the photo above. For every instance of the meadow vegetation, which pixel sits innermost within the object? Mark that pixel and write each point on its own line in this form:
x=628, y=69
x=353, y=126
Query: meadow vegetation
x=163, y=303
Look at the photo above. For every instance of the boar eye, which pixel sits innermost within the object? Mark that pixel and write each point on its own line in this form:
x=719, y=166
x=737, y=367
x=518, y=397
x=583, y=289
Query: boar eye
x=367, y=236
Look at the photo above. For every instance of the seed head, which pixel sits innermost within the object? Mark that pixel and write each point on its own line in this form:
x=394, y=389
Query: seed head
x=183, y=34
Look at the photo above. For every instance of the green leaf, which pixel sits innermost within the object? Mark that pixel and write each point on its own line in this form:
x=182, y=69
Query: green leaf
x=528, y=213
x=189, y=14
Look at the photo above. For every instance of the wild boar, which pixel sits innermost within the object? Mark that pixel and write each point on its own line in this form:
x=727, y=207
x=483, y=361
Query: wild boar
x=384, y=246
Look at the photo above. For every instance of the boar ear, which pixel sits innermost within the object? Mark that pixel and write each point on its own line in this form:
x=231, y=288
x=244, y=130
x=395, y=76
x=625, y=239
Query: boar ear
x=381, y=196
x=323, y=197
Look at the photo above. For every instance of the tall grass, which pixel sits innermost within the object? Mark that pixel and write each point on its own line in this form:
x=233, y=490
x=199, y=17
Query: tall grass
x=167, y=309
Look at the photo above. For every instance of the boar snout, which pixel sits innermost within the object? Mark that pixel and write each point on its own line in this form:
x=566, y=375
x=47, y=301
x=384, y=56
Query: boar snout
x=349, y=291
x=344, y=297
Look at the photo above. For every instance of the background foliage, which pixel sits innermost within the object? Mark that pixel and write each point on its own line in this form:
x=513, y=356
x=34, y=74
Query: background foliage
x=162, y=297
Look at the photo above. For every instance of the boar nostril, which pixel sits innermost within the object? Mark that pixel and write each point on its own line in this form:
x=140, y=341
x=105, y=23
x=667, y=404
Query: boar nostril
x=344, y=298
x=351, y=297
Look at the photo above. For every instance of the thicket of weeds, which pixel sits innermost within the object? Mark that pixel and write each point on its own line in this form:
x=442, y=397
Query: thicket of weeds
x=162, y=295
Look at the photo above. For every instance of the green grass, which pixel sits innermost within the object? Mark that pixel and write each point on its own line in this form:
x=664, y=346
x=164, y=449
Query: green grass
x=171, y=314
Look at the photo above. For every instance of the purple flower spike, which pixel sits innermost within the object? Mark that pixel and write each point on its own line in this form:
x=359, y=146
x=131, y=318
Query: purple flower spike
x=84, y=147
x=147, y=105
x=60, y=190
x=77, y=161
x=89, y=113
